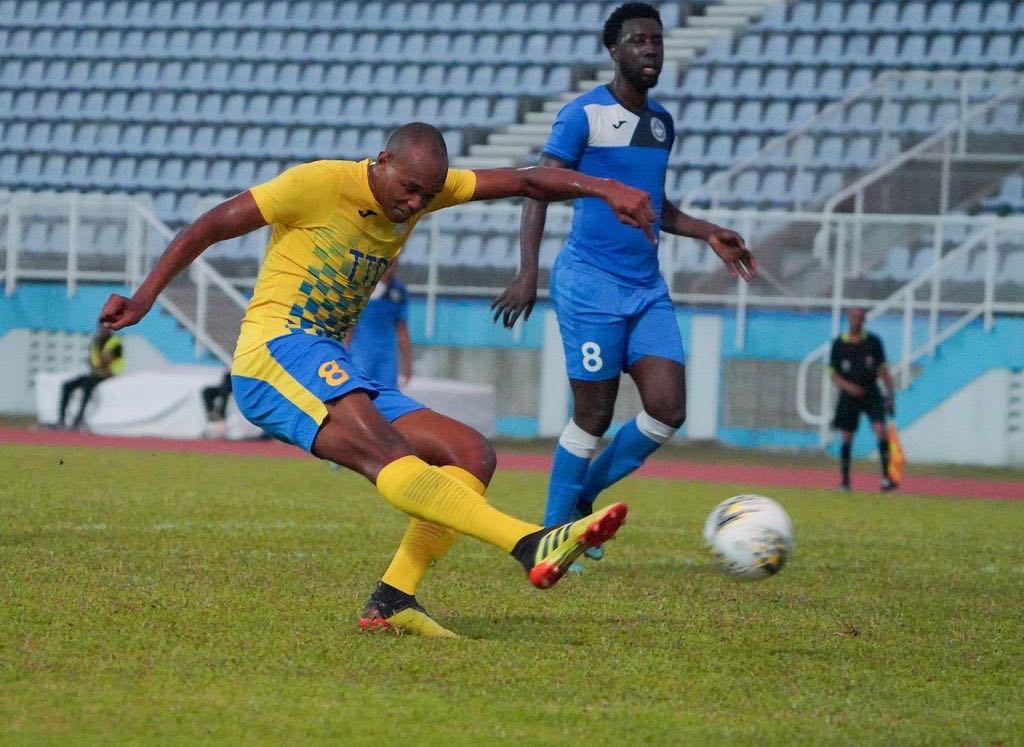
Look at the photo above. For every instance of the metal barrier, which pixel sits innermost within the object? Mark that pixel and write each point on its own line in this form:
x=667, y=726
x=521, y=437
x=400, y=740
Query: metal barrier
x=872, y=110
x=71, y=247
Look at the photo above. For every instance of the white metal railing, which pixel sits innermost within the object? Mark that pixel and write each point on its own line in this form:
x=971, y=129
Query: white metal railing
x=958, y=91
x=947, y=145
x=442, y=269
x=140, y=238
x=987, y=238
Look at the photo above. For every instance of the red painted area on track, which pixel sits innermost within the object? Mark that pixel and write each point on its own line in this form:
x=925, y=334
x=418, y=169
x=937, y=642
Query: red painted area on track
x=726, y=472
x=795, y=477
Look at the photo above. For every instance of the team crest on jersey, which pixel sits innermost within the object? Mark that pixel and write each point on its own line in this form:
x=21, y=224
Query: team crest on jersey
x=658, y=129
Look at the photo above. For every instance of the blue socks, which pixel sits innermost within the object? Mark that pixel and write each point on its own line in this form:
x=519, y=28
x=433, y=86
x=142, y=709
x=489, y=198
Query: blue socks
x=567, y=474
x=624, y=455
x=568, y=471
x=576, y=482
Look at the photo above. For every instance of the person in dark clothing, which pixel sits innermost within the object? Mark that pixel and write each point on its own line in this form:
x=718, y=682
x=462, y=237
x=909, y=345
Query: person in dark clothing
x=106, y=359
x=856, y=364
x=215, y=398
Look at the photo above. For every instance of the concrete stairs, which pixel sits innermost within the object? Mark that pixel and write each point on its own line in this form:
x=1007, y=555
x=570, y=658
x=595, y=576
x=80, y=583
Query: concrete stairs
x=519, y=144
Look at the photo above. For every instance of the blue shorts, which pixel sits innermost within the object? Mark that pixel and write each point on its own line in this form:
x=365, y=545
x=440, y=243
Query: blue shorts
x=282, y=385
x=606, y=327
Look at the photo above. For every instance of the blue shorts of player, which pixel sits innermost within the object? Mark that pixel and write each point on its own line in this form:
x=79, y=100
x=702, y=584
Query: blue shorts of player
x=282, y=385
x=607, y=326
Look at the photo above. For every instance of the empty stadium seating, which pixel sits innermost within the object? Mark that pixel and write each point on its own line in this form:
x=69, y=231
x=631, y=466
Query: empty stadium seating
x=797, y=59
x=181, y=99
x=185, y=99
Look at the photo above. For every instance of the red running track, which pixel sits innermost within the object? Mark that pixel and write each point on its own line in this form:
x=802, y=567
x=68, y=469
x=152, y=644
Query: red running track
x=730, y=472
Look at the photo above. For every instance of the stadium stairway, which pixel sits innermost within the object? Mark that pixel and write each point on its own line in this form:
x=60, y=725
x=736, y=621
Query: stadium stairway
x=516, y=143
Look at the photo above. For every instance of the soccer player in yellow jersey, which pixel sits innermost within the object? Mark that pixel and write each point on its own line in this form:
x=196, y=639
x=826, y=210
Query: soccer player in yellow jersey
x=336, y=226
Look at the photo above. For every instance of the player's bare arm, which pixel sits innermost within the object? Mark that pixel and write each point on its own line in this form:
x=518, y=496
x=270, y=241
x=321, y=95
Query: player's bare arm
x=631, y=206
x=727, y=244
x=521, y=294
x=230, y=219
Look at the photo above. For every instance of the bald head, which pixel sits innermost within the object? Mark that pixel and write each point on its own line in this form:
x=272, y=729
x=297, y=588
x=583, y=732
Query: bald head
x=417, y=137
x=410, y=170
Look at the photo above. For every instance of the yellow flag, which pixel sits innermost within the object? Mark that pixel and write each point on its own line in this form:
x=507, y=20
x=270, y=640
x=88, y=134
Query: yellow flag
x=896, y=456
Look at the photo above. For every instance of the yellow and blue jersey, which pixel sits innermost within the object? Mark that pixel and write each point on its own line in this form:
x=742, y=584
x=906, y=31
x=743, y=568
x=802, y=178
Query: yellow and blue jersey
x=329, y=246
x=330, y=243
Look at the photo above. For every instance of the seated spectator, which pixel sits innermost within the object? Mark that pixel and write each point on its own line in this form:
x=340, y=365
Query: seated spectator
x=106, y=359
x=215, y=399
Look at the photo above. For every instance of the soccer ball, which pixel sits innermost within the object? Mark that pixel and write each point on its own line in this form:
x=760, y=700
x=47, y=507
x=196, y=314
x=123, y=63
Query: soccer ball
x=749, y=535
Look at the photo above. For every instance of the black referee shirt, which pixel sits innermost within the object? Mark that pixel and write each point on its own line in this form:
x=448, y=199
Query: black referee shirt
x=858, y=361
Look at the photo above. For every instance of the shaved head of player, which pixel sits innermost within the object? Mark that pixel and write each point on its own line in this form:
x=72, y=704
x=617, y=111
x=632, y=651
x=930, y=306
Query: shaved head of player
x=410, y=171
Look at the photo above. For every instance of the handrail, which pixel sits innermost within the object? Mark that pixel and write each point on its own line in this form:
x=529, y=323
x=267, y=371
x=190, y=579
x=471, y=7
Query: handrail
x=138, y=216
x=905, y=297
x=879, y=86
x=937, y=137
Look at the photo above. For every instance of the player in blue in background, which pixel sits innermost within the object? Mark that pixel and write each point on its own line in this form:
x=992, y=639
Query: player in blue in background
x=613, y=307
x=379, y=343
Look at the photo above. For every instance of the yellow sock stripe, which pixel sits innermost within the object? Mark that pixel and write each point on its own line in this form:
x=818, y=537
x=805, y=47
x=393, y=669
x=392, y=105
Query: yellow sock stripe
x=427, y=493
x=466, y=477
x=425, y=543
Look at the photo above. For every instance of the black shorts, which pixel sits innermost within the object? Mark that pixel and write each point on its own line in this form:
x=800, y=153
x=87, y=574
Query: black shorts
x=848, y=410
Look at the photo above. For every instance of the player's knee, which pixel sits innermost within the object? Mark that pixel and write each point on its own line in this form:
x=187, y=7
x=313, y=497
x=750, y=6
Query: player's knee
x=594, y=421
x=475, y=455
x=669, y=412
x=361, y=450
x=654, y=428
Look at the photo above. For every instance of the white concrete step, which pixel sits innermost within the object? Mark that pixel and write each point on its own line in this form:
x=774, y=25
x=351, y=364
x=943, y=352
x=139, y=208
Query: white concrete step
x=546, y=117
x=710, y=22
x=482, y=162
x=511, y=152
x=531, y=129
x=733, y=11
x=692, y=33
x=515, y=138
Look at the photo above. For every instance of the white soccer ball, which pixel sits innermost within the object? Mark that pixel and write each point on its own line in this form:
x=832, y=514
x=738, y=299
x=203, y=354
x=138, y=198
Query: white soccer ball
x=750, y=536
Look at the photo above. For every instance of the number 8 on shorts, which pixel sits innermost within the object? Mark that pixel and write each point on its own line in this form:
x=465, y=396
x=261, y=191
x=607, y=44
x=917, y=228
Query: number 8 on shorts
x=591, y=356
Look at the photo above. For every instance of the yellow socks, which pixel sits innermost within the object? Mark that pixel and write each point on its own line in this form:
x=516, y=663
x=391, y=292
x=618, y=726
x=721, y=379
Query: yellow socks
x=429, y=493
x=425, y=543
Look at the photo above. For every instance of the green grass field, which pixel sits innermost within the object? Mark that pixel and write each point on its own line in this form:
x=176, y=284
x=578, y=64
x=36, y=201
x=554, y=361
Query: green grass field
x=169, y=599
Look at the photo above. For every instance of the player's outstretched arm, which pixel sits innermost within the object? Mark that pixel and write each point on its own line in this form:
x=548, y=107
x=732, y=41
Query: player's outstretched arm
x=521, y=294
x=230, y=219
x=631, y=206
x=728, y=245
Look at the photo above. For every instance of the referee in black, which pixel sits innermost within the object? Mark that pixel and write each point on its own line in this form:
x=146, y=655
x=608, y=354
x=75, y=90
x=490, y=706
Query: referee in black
x=856, y=363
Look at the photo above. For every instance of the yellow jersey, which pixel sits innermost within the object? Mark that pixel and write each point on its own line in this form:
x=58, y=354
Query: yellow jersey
x=329, y=245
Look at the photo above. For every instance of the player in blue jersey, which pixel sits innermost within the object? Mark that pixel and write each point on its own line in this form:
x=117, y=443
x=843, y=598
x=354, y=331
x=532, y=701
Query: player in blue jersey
x=379, y=343
x=613, y=307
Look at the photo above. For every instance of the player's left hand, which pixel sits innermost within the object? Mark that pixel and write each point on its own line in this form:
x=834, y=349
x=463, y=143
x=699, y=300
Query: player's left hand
x=518, y=299
x=732, y=250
